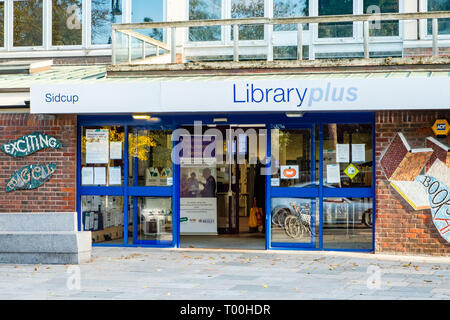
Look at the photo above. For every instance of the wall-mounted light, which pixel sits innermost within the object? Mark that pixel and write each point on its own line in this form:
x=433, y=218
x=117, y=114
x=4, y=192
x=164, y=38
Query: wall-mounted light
x=141, y=117
x=220, y=120
x=298, y=114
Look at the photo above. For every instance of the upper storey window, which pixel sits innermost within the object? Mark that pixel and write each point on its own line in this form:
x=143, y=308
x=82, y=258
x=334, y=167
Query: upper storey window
x=103, y=14
x=248, y=9
x=382, y=28
x=28, y=23
x=443, y=24
x=149, y=11
x=335, y=29
x=66, y=22
x=205, y=10
x=288, y=9
x=2, y=21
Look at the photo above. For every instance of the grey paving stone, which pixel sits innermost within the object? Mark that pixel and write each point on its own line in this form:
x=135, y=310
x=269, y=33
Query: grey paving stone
x=140, y=273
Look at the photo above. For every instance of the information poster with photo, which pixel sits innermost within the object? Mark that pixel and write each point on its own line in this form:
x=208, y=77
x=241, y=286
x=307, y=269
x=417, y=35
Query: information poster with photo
x=198, y=183
x=198, y=202
x=97, y=146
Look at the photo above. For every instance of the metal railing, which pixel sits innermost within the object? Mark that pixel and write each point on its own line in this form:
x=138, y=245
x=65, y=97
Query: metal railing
x=128, y=30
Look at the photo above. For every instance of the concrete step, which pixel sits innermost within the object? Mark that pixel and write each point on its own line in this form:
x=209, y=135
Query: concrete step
x=54, y=221
x=46, y=238
x=45, y=242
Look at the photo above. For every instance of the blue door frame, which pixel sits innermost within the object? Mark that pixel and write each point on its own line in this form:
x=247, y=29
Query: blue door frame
x=171, y=122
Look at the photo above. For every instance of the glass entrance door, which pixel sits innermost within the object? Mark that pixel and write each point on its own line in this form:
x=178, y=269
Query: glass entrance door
x=150, y=189
x=294, y=189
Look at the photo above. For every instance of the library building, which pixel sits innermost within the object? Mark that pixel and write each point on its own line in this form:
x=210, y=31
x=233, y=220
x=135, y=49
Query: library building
x=183, y=126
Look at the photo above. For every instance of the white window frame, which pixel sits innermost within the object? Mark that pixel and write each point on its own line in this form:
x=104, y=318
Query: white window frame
x=423, y=25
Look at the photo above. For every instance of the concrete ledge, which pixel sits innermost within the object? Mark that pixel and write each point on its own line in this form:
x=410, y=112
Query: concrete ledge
x=45, y=242
x=281, y=66
x=45, y=258
x=52, y=221
x=43, y=238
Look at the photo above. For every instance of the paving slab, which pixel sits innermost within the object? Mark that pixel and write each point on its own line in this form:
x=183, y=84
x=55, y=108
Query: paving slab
x=141, y=273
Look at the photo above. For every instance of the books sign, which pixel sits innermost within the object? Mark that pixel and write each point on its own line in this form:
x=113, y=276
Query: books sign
x=30, y=177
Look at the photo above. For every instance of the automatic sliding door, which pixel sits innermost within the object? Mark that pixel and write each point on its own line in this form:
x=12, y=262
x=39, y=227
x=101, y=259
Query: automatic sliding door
x=294, y=191
x=150, y=189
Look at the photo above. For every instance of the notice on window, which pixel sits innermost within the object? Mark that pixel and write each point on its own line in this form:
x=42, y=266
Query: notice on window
x=87, y=175
x=100, y=176
x=198, y=216
x=115, y=150
x=97, y=145
x=242, y=144
x=342, y=153
x=358, y=153
x=289, y=172
x=333, y=173
x=115, y=176
x=274, y=182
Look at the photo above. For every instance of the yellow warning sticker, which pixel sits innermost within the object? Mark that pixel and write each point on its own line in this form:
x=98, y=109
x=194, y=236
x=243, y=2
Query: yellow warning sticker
x=351, y=171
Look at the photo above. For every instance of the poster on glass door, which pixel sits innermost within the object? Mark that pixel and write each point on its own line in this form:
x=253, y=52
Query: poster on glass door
x=198, y=202
x=97, y=146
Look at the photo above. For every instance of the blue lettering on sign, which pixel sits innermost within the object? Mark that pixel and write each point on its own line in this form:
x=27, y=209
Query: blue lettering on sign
x=250, y=93
x=61, y=98
x=440, y=126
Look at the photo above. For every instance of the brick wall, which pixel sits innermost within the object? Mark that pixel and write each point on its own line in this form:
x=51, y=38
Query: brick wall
x=424, y=52
x=59, y=192
x=399, y=228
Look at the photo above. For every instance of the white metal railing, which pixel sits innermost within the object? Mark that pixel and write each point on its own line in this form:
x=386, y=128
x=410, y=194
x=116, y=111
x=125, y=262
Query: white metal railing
x=129, y=31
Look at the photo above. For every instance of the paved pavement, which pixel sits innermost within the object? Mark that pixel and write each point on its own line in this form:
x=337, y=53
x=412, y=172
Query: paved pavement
x=139, y=273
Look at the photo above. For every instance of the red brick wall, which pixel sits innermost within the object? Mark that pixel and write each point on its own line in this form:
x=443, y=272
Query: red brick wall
x=399, y=228
x=59, y=192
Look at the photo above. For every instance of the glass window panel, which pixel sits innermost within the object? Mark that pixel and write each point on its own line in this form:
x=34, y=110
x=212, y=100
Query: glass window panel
x=291, y=151
x=202, y=10
x=150, y=158
x=345, y=145
x=154, y=218
x=103, y=216
x=248, y=9
x=102, y=151
x=2, y=20
x=347, y=223
x=337, y=29
x=104, y=14
x=443, y=24
x=295, y=220
x=27, y=23
x=148, y=11
x=289, y=52
x=382, y=28
x=289, y=9
x=66, y=22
